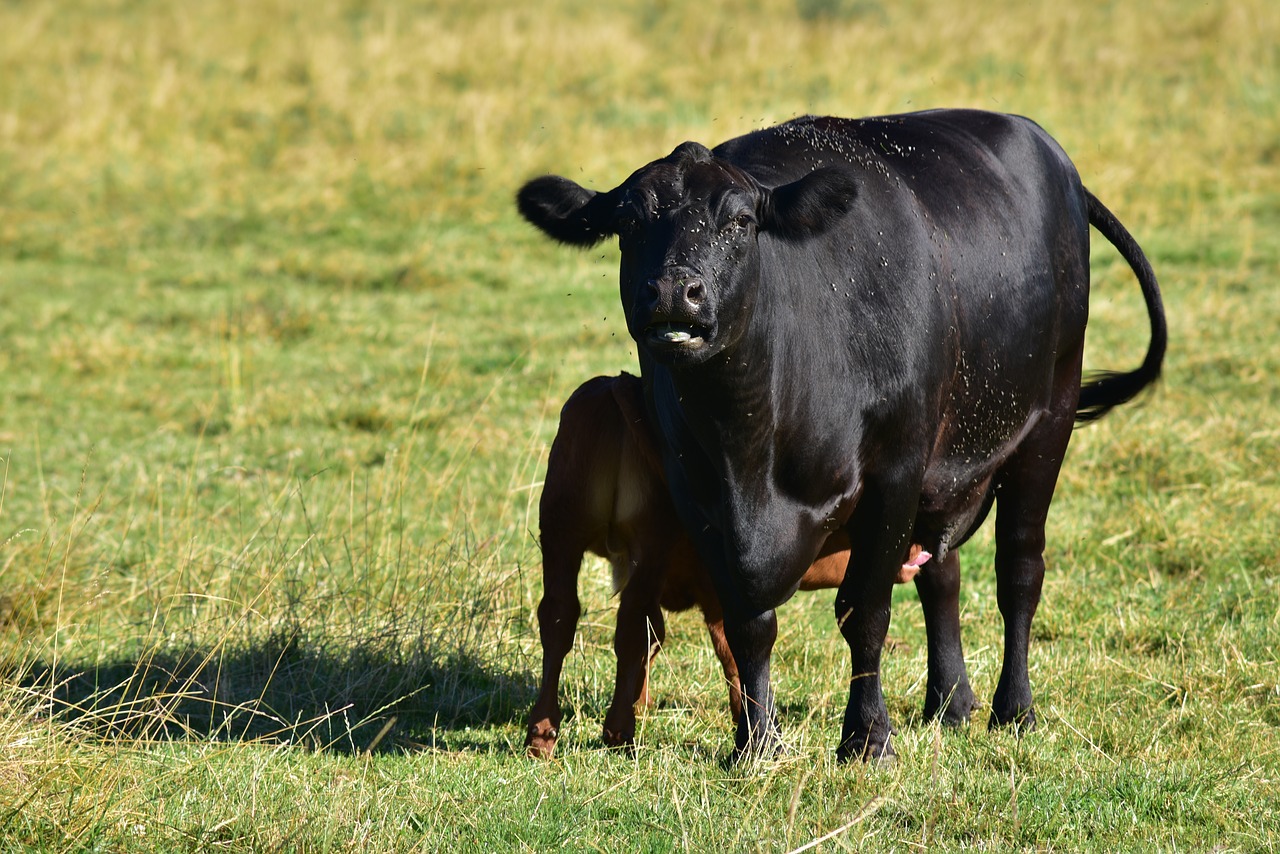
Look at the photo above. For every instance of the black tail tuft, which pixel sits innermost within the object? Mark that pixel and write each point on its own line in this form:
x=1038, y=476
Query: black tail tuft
x=1108, y=389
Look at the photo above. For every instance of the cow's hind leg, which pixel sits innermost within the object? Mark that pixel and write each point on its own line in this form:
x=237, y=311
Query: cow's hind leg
x=862, y=612
x=947, y=694
x=640, y=634
x=558, y=614
x=1024, y=489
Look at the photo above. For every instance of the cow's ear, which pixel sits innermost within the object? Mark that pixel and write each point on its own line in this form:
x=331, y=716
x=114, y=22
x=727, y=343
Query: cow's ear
x=809, y=206
x=566, y=211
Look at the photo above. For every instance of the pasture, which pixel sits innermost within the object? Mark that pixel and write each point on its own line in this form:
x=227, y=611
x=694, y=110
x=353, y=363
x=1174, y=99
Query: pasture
x=280, y=364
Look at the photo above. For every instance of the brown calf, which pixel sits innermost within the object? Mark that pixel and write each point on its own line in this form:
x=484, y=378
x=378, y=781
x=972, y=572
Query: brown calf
x=605, y=493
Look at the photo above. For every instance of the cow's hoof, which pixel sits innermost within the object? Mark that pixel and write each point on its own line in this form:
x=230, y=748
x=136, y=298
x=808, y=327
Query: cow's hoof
x=759, y=740
x=873, y=748
x=883, y=762
x=1021, y=721
x=749, y=757
x=540, y=742
x=760, y=750
x=953, y=711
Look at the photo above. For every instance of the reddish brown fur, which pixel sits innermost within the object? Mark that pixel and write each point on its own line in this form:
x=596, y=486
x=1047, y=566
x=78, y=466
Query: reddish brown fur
x=605, y=493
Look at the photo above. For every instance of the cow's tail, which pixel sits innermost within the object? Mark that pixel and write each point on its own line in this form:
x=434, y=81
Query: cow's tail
x=1106, y=390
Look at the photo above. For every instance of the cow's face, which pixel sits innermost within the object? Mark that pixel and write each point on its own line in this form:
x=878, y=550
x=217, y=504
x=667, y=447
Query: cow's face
x=688, y=228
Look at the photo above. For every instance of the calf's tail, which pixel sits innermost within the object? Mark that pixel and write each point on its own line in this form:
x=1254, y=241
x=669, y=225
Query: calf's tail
x=1108, y=389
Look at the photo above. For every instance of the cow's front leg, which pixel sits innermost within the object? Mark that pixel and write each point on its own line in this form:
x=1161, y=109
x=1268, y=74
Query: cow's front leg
x=751, y=640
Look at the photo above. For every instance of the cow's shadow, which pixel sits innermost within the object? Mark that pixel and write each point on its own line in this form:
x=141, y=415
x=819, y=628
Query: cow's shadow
x=284, y=689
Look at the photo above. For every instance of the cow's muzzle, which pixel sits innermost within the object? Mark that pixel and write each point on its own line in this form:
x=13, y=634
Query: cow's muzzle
x=675, y=303
x=676, y=293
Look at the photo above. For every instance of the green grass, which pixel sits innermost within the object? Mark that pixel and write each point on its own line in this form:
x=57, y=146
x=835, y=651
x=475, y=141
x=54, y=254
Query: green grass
x=280, y=366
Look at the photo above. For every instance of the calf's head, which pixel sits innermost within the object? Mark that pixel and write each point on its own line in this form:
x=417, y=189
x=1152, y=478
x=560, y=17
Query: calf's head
x=689, y=228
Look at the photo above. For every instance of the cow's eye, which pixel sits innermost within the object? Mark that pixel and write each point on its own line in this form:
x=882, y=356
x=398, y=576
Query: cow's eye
x=628, y=224
x=742, y=220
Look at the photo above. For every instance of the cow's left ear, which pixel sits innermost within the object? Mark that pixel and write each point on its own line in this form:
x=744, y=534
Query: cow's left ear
x=566, y=211
x=809, y=206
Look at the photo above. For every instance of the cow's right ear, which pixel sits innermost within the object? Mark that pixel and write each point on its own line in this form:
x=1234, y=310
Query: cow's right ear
x=566, y=211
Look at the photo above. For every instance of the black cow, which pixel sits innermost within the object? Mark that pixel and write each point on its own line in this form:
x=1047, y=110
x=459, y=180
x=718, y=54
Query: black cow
x=870, y=324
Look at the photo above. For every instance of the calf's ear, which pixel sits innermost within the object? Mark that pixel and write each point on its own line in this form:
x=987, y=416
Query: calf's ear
x=809, y=206
x=565, y=211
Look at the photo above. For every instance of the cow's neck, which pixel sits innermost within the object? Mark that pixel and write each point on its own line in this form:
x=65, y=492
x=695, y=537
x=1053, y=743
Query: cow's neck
x=747, y=482
x=733, y=405
x=728, y=404
x=753, y=410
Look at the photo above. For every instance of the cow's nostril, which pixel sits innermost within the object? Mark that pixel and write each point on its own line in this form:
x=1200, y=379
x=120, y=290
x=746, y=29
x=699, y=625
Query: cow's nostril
x=653, y=292
x=695, y=293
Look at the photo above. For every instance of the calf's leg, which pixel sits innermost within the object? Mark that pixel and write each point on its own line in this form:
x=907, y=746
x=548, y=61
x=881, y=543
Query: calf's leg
x=639, y=635
x=558, y=614
x=719, y=643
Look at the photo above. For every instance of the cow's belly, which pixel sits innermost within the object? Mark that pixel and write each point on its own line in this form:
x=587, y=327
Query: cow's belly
x=949, y=516
x=957, y=489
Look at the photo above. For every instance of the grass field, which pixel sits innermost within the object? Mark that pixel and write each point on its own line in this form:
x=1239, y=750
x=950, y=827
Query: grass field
x=280, y=365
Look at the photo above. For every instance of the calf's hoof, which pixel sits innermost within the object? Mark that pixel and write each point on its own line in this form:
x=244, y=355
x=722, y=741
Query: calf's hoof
x=540, y=742
x=623, y=739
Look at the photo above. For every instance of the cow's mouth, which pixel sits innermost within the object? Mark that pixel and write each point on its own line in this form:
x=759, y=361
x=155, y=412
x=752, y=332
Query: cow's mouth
x=676, y=336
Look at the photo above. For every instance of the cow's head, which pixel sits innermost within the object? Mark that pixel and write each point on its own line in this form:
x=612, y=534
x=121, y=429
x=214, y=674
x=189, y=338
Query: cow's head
x=689, y=227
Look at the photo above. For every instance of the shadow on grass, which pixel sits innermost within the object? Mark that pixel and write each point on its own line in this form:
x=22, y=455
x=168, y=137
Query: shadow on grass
x=352, y=698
